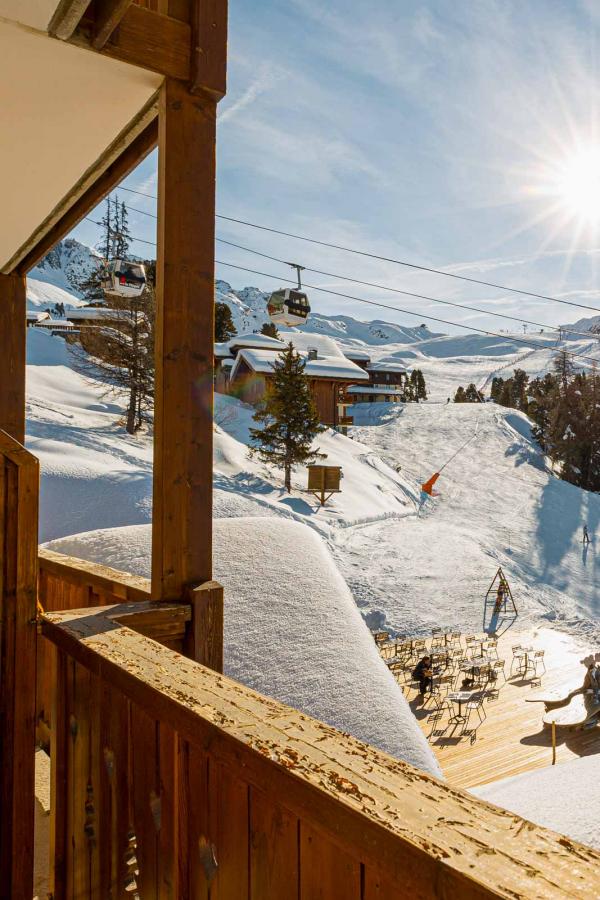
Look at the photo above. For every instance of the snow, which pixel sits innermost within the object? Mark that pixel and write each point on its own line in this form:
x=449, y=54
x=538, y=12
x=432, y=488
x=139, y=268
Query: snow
x=565, y=798
x=381, y=389
x=388, y=364
x=292, y=630
x=41, y=294
x=262, y=361
x=258, y=341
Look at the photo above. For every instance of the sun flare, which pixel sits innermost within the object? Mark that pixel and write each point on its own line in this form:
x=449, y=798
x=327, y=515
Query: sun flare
x=578, y=184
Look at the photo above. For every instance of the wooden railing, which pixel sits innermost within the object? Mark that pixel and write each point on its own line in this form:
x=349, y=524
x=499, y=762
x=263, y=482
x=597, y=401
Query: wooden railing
x=172, y=781
x=68, y=583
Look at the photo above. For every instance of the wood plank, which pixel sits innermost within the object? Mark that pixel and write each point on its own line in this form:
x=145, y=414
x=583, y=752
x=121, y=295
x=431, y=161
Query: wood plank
x=168, y=834
x=205, y=634
x=183, y=412
x=209, y=48
x=128, y=149
x=326, y=872
x=228, y=812
x=274, y=863
x=146, y=799
x=12, y=359
x=66, y=18
x=379, y=810
x=196, y=841
x=108, y=14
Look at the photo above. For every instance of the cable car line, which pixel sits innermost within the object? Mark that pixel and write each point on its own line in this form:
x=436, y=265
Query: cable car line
x=385, y=287
x=531, y=344
x=398, y=262
x=559, y=329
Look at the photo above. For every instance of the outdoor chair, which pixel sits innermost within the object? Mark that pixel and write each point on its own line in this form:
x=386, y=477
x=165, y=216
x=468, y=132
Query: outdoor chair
x=387, y=649
x=538, y=662
x=517, y=655
x=491, y=647
x=473, y=708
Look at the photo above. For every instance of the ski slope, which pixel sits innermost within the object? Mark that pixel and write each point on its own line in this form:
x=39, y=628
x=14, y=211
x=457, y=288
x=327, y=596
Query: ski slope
x=409, y=566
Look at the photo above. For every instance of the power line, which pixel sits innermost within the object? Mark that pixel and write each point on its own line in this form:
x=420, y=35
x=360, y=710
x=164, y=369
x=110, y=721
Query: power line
x=398, y=262
x=419, y=315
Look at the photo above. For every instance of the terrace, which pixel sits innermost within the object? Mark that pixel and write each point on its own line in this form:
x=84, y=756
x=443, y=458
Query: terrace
x=169, y=779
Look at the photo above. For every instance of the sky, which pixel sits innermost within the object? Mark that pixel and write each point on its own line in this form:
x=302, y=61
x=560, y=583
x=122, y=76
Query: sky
x=463, y=136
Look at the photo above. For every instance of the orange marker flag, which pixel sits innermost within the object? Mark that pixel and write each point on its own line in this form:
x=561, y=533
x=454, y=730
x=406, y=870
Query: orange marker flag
x=427, y=486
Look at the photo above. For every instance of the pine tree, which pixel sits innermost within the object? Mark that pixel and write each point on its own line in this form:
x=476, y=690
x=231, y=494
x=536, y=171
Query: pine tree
x=519, y=390
x=563, y=367
x=121, y=233
x=496, y=389
x=472, y=395
x=90, y=286
x=119, y=352
x=270, y=329
x=288, y=417
x=418, y=382
x=460, y=395
x=224, y=327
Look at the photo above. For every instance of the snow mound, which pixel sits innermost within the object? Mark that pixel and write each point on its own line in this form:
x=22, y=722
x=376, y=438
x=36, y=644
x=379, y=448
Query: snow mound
x=565, y=798
x=292, y=630
x=41, y=294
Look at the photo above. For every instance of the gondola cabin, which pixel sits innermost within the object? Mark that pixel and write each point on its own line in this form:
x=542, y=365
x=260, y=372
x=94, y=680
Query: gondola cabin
x=288, y=307
x=124, y=278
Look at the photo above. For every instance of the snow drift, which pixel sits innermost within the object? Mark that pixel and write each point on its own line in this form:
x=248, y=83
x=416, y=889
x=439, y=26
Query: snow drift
x=292, y=630
x=565, y=798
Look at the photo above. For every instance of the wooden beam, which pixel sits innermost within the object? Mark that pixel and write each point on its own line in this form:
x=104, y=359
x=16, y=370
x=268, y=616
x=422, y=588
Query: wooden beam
x=146, y=39
x=183, y=411
x=100, y=579
x=66, y=18
x=108, y=14
x=12, y=355
x=124, y=154
x=19, y=485
x=204, y=640
x=209, y=47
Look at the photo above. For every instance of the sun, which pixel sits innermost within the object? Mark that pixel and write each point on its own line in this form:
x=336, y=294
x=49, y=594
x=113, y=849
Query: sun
x=577, y=185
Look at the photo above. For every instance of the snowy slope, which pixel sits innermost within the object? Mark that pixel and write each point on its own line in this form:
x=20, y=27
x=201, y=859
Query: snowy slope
x=42, y=295
x=498, y=505
x=292, y=630
x=65, y=266
x=565, y=798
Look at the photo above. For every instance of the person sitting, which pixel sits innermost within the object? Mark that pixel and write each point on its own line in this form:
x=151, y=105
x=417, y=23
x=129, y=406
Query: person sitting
x=423, y=674
x=591, y=682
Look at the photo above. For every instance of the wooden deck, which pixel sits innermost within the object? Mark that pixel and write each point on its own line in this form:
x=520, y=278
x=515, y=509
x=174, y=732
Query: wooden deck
x=513, y=738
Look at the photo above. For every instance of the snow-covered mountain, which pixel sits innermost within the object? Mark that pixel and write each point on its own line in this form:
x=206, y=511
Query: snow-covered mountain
x=249, y=311
x=64, y=267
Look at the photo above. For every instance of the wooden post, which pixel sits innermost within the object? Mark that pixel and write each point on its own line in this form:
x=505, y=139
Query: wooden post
x=12, y=355
x=19, y=477
x=204, y=641
x=183, y=422
x=554, y=743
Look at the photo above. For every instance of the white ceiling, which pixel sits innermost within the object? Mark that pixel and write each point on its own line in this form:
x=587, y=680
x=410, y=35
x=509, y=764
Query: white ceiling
x=60, y=109
x=35, y=13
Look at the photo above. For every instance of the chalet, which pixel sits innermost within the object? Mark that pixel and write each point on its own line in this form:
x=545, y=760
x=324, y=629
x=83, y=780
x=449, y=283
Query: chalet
x=387, y=377
x=246, y=372
x=168, y=778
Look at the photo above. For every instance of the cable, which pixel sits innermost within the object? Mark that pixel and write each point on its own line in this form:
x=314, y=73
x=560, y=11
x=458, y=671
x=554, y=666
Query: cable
x=139, y=240
x=385, y=287
x=419, y=315
x=397, y=262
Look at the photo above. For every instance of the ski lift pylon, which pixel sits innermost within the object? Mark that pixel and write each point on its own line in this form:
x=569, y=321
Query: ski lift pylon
x=289, y=306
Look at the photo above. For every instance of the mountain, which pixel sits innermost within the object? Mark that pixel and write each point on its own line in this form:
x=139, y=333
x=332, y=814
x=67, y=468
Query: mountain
x=56, y=280
x=248, y=309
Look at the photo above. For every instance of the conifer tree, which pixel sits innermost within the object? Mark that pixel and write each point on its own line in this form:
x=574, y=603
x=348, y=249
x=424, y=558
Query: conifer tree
x=287, y=417
x=418, y=382
x=270, y=329
x=224, y=327
x=472, y=395
x=460, y=396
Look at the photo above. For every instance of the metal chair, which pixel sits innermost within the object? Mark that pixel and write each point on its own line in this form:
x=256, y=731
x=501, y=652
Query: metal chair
x=538, y=660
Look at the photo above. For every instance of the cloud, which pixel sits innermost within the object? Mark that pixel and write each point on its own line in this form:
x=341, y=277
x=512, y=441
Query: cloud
x=264, y=81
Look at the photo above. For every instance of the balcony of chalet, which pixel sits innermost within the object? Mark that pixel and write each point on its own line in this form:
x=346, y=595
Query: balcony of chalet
x=168, y=776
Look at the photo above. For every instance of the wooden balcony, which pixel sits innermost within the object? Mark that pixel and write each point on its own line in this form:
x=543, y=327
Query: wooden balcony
x=174, y=781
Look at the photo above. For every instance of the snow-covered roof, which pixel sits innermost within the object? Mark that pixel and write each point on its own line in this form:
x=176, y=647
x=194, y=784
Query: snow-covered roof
x=222, y=351
x=292, y=630
x=306, y=340
x=93, y=312
x=387, y=364
x=34, y=315
x=565, y=798
x=328, y=367
x=371, y=389
x=227, y=363
x=258, y=341
x=351, y=353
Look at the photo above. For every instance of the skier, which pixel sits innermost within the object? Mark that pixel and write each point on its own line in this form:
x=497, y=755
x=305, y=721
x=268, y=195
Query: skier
x=586, y=537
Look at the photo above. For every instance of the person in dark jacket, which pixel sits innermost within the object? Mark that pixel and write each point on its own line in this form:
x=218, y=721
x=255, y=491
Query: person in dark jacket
x=423, y=674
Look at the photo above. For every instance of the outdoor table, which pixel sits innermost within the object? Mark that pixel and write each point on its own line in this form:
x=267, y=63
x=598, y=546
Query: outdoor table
x=459, y=697
x=477, y=662
x=440, y=654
